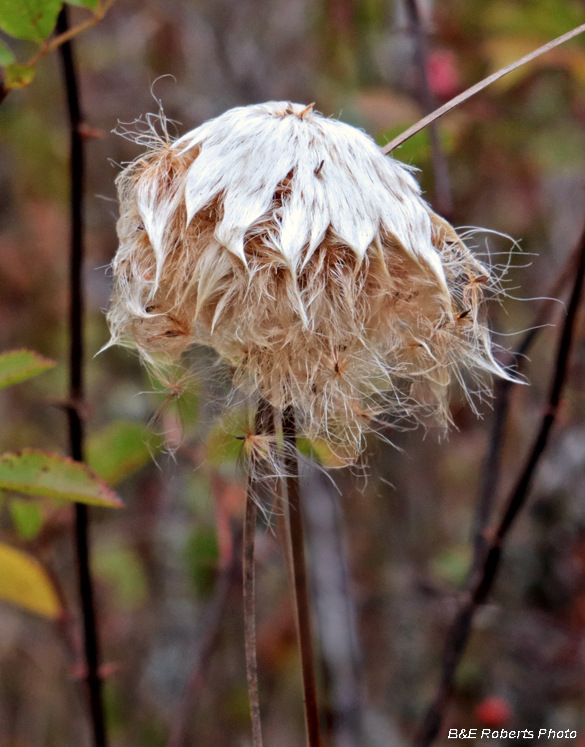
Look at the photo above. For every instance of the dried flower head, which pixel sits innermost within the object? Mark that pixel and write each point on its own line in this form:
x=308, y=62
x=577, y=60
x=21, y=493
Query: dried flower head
x=309, y=261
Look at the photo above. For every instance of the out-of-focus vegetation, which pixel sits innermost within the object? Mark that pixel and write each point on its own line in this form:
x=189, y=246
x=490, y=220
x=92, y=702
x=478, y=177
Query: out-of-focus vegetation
x=390, y=548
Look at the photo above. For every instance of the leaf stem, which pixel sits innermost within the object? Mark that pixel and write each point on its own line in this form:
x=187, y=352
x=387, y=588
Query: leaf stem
x=63, y=36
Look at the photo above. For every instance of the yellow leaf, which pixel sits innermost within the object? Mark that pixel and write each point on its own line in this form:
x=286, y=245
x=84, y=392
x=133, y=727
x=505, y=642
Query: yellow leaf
x=24, y=582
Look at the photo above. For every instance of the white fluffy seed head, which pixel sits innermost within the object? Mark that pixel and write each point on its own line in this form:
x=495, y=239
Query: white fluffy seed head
x=308, y=260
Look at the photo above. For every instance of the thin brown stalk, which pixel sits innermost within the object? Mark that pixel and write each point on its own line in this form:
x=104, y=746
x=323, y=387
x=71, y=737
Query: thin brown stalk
x=76, y=383
x=280, y=510
x=302, y=601
x=450, y=105
x=441, y=170
x=250, y=615
x=461, y=629
x=263, y=425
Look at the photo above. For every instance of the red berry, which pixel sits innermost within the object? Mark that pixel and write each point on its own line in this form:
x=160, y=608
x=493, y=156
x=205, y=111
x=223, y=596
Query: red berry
x=493, y=712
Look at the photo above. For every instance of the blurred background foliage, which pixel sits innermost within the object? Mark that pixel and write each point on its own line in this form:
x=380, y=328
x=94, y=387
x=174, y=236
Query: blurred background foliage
x=389, y=539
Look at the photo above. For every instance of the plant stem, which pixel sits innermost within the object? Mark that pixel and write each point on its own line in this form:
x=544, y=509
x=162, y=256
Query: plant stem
x=250, y=615
x=461, y=629
x=302, y=603
x=503, y=390
x=76, y=383
x=263, y=425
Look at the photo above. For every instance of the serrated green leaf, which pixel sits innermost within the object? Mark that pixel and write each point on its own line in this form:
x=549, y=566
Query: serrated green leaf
x=121, y=448
x=6, y=56
x=91, y=4
x=35, y=472
x=19, y=365
x=29, y=19
x=26, y=516
x=24, y=582
x=18, y=76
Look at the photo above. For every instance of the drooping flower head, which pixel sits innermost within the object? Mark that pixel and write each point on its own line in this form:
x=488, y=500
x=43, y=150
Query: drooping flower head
x=308, y=260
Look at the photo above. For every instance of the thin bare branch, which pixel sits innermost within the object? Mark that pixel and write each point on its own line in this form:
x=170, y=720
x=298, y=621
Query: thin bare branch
x=461, y=629
x=450, y=105
x=76, y=382
x=503, y=389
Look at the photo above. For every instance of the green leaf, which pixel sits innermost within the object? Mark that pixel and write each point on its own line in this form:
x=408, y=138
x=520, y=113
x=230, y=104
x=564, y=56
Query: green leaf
x=18, y=76
x=24, y=582
x=19, y=365
x=121, y=448
x=29, y=19
x=91, y=4
x=26, y=516
x=35, y=472
x=6, y=56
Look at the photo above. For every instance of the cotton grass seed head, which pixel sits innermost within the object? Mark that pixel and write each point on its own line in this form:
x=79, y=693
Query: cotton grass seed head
x=309, y=261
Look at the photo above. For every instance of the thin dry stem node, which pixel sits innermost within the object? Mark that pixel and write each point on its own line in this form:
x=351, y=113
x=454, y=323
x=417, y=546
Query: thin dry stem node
x=311, y=264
